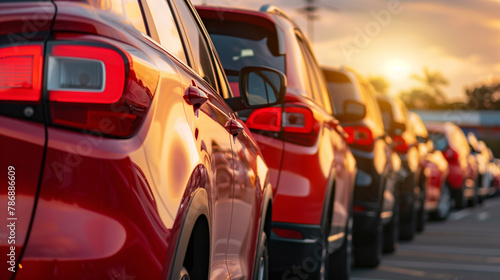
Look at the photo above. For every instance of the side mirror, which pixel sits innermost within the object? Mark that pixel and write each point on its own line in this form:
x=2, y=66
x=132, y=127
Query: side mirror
x=352, y=111
x=259, y=87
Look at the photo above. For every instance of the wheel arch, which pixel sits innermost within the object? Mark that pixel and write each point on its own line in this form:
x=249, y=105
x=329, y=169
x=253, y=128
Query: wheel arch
x=197, y=210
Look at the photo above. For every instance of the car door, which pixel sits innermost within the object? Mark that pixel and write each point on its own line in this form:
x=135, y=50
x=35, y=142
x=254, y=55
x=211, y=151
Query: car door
x=209, y=123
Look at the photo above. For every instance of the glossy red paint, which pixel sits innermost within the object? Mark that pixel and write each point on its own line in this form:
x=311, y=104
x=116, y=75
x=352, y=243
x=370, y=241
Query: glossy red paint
x=462, y=167
x=119, y=197
x=306, y=154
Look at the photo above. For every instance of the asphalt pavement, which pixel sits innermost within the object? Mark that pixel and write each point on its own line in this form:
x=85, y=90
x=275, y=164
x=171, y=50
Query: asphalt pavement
x=465, y=247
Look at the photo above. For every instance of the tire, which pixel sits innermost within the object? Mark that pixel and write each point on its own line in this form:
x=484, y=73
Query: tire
x=262, y=260
x=444, y=205
x=460, y=201
x=473, y=201
x=184, y=275
x=340, y=261
x=370, y=255
x=421, y=214
x=391, y=231
x=408, y=229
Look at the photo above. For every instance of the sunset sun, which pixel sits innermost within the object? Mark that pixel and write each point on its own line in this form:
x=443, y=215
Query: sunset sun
x=396, y=69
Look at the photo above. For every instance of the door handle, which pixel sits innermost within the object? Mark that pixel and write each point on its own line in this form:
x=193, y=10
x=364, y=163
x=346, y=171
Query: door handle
x=234, y=128
x=195, y=97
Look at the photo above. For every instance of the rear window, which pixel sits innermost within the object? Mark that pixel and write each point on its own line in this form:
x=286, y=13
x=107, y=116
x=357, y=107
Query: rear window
x=341, y=88
x=242, y=44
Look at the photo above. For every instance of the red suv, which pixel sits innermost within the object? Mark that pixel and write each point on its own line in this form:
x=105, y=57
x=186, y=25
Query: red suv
x=312, y=169
x=451, y=141
x=123, y=159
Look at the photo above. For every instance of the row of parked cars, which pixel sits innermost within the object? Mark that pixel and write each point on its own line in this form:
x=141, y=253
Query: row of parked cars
x=150, y=139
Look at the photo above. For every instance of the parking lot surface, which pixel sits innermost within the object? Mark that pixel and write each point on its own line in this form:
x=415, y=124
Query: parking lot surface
x=466, y=247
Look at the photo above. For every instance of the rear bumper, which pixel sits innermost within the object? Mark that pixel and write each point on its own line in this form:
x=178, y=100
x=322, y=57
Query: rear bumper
x=295, y=256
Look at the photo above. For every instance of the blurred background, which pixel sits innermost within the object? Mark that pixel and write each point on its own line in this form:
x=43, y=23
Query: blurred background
x=440, y=57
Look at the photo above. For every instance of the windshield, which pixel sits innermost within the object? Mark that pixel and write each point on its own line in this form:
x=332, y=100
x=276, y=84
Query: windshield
x=241, y=44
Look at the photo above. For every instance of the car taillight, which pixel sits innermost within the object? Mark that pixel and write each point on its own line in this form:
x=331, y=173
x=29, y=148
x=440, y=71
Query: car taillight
x=268, y=119
x=400, y=144
x=450, y=155
x=21, y=73
x=95, y=88
x=360, y=137
x=299, y=125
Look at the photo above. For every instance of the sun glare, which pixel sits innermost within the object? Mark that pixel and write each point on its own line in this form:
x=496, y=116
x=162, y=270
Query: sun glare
x=396, y=69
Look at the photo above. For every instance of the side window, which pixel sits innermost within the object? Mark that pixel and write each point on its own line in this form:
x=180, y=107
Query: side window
x=317, y=80
x=203, y=63
x=166, y=28
x=374, y=110
x=313, y=83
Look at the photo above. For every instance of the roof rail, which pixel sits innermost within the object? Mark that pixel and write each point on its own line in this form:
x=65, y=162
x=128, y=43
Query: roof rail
x=268, y=8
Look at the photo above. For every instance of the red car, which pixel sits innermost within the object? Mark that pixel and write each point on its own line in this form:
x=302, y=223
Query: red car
x=312, y=169
x=434, y=172
x=120, y=150
x=451, y=141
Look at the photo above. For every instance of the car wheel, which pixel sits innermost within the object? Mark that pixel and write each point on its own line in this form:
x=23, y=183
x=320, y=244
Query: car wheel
x=444, y=205
x=184, y=275
x=408, y=228
x=473, y=201
x=369, y=254
x=421, y=215
x=391, y=231
x=340, y=261
x=460, y=200
x=262, y=260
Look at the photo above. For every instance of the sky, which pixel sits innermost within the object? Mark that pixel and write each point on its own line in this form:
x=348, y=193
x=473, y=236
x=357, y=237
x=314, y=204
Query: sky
x=396, y=38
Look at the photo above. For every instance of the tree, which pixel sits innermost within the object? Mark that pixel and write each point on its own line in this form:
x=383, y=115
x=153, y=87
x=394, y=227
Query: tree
x=379, y=84
x=432, y=83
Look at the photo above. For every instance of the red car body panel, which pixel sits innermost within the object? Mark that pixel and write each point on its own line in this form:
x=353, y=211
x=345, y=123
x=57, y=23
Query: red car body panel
x=308, y=180
x=121, y=208
x=462, y=170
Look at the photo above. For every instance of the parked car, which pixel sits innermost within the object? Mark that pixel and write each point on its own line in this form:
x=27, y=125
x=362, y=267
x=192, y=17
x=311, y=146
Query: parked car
x=376, y=209
x=494, y=172
x=451, y=141
x=480, y=152
x=434, y=172
x=412, y=197
x=122, y=149
x=312, y=169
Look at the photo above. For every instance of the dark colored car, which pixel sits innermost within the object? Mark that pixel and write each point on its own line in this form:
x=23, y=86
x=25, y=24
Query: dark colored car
x=451, y=141
x=434, y=172
x=120, y=149
x=412, y=191
x=312, y=169
x=375, y=195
